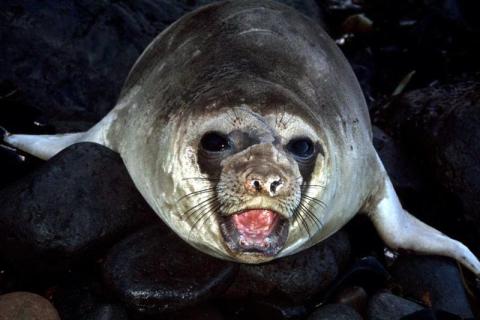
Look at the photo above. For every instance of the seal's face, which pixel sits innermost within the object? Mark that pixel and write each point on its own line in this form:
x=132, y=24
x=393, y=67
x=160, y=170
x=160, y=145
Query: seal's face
x=251, y=178
x=258, y=192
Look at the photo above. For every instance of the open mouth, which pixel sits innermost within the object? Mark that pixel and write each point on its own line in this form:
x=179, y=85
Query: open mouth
x=260, y=231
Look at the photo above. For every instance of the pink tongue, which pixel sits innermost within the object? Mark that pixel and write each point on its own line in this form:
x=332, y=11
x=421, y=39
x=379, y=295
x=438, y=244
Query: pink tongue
x=255, y=224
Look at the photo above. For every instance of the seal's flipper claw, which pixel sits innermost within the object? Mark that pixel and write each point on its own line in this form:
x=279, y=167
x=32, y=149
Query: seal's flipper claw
x=400, y=230
x=42, y=146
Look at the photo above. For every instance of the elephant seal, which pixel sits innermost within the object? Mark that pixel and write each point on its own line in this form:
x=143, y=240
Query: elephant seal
x=245, y=129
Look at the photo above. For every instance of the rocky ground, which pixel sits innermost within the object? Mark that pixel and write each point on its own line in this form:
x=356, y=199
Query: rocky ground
x=77, y=241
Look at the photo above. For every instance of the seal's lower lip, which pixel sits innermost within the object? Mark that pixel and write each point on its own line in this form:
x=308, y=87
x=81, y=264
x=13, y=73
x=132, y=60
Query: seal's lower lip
x=260, y=231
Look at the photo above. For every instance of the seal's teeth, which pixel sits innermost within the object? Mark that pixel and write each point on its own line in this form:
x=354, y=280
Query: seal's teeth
x=255, y=225
x=266, y=238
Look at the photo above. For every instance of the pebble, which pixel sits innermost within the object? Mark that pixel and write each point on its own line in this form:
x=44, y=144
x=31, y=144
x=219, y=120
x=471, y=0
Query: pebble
x=26, y=306
x=154, y=271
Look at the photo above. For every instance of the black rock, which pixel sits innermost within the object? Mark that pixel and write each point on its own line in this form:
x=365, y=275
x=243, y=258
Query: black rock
x=15, y=164
x=69, y=209
x=8, y=279
x=272, y=308
x=154, y=271
x=85, y=302
x=80, y=295
x=443, y=122
x=354, y=296
x=366, y=273
x=106, y=312
x=335, y=312
x=403, y=174
x=296, y=278
x=386, y=306
x=71, y=57
x=429, y=314
x=200, y=312
x=435, y=281
x=365, y=240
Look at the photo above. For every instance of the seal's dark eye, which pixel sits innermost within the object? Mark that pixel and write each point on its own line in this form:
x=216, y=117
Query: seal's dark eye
x=301, y=147
x=215, y=142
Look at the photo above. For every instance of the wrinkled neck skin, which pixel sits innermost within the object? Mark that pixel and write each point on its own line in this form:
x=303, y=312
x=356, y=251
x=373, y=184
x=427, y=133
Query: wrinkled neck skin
x=261, y=70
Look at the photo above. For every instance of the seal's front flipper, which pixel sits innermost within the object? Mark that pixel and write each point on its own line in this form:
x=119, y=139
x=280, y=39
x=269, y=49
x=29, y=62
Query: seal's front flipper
x=400, y=230
x=42, y=146
x=45, y=146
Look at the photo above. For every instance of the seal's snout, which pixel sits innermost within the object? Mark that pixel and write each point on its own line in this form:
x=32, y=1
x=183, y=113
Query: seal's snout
x=260, y=189
x=268, y=184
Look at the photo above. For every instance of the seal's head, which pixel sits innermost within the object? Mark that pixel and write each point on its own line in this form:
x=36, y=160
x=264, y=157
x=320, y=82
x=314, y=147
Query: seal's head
x=243, y=181
x=255, y=180
x=242, y=120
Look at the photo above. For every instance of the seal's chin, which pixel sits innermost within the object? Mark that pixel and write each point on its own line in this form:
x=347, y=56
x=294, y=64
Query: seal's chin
x=260, y=232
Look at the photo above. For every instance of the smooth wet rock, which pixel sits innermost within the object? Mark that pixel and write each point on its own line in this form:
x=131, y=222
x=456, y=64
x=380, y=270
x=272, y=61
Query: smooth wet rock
x=272, y=308
x=26, y=306
x=70, y=58
x=80, y=296
x=353, y=296
x=106, y=312
x=297, y=277
x=200, y=312
x=435, y=281
x=429, y=314
x=154, y=271
x=76, y=204
x=386, y=306
x=367, y=274
x=335, y=312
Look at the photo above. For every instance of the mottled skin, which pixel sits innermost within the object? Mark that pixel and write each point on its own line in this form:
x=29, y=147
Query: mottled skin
x=268, y=74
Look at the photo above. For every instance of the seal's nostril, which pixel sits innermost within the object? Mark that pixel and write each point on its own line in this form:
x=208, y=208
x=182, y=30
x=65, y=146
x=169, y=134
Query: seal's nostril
x=274, y=185
x=257, y=185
